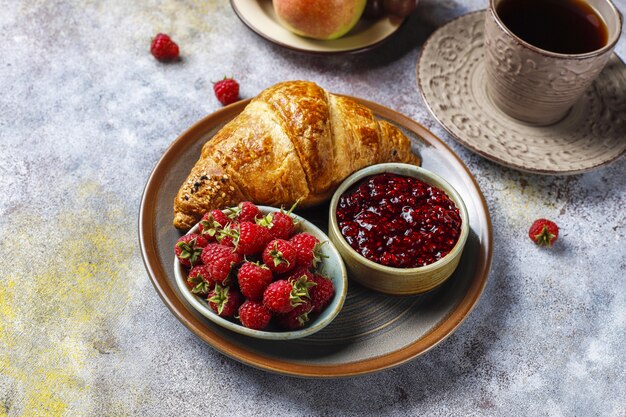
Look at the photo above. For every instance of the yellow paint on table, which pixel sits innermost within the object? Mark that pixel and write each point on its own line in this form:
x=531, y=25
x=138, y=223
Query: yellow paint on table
x=184, y=21
x=60, y=301
x=523, y=200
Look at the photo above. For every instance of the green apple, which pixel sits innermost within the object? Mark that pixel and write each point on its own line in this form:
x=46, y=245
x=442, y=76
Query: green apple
x=319, y=19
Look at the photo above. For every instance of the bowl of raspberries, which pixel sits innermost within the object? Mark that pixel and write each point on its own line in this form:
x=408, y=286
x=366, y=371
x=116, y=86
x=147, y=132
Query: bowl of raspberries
x=261, y=271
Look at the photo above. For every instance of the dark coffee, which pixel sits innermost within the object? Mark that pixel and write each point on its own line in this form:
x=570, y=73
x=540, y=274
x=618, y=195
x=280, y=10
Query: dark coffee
x=562, y=26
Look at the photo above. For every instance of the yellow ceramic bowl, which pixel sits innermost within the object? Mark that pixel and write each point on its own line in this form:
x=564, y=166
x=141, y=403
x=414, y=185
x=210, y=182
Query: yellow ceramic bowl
x=398, y=281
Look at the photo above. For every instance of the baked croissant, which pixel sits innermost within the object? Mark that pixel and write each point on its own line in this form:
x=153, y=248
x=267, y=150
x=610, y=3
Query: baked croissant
x=294, y=140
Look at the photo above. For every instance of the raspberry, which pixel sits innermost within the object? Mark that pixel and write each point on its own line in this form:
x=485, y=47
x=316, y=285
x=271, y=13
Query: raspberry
x=226, y=91
x=188, y=249
x=250, y=239
x=220, y=260
x=307, y=247
x=199, y=280
x=296, y=318
x=280, y=224
x=164, y=48
x=253, y=279
x=296, y=273
x=322, y=293
x=254, y=315
x=245, y=212
x=278, y=297
x=225, y=301
x=220, y=217
x=282, y=296
x=279, y=256
x=543, y=232
x=226, y=236
x=211, y=223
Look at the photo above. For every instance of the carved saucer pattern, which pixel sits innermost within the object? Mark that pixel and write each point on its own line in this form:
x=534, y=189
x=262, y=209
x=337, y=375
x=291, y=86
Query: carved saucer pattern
x=451, y=76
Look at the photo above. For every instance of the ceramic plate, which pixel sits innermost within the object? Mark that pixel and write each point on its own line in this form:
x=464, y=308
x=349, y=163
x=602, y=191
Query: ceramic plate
x=373, y=331
x=451, y=78
x=259, y=16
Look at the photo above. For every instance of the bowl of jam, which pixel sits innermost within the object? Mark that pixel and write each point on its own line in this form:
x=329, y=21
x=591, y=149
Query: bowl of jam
x=399, y=228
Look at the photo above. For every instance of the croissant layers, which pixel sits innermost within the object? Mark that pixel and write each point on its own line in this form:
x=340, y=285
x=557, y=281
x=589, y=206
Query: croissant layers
x=293, y=141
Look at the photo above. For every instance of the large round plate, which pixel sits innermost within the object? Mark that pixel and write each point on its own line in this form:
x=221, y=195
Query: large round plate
x=259, y=16
x=373, y=331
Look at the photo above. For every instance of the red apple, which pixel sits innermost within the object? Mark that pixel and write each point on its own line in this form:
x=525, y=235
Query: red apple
x=319, y=19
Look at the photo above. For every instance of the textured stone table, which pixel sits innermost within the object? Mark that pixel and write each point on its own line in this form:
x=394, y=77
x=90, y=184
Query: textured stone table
x=85, y=113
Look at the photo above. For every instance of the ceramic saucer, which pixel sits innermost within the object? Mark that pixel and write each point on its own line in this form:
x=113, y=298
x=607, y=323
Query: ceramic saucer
x=259, y=16
x=451, y=77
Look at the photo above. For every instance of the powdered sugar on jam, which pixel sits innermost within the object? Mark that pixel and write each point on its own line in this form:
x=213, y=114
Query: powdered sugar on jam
x=398, y=221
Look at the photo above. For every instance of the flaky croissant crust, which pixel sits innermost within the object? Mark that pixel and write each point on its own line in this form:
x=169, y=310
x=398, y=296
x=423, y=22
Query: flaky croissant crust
x=293, y=141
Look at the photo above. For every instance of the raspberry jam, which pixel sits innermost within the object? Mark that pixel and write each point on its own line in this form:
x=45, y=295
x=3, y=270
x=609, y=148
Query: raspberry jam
x=398, y=221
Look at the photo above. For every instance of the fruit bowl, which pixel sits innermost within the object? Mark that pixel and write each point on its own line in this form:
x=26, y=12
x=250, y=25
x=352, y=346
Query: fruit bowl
x=332, y=265
x=396, y=280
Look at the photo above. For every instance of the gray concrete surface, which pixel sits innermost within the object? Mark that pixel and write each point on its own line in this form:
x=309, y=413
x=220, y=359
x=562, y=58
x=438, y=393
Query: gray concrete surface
x=85, y=113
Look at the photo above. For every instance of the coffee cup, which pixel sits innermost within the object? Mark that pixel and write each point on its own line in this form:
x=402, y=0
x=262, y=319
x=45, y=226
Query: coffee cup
x=535, y=81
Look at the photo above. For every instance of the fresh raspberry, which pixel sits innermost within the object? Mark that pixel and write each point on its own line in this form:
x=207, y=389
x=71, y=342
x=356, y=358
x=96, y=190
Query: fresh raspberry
x=278, y=297
x=225, y=301
x=226, y=236
x=280, y=224
x=308, y=253
x=211, y=223
x=280, y=256
x=188, y=249
x=254, y=315
x=245, y=212
x=296, y=273
x=220, y=260
x=249, y=239
x=295, y=319
x=252, y=238
x=543, y=232
x=220, y=217
x=282, y=296
x=322, y=293
x=164, y=48
x=226, y=91
x=253, y=279
x=199, y=280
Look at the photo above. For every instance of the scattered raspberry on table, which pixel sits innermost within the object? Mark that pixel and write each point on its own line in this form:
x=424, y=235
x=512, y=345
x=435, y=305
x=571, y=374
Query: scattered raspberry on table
x=163, y=48
x=226, y=91
x=543, y=232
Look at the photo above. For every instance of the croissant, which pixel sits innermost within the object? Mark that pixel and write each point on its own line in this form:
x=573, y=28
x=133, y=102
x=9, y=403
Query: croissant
x=293, y=141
